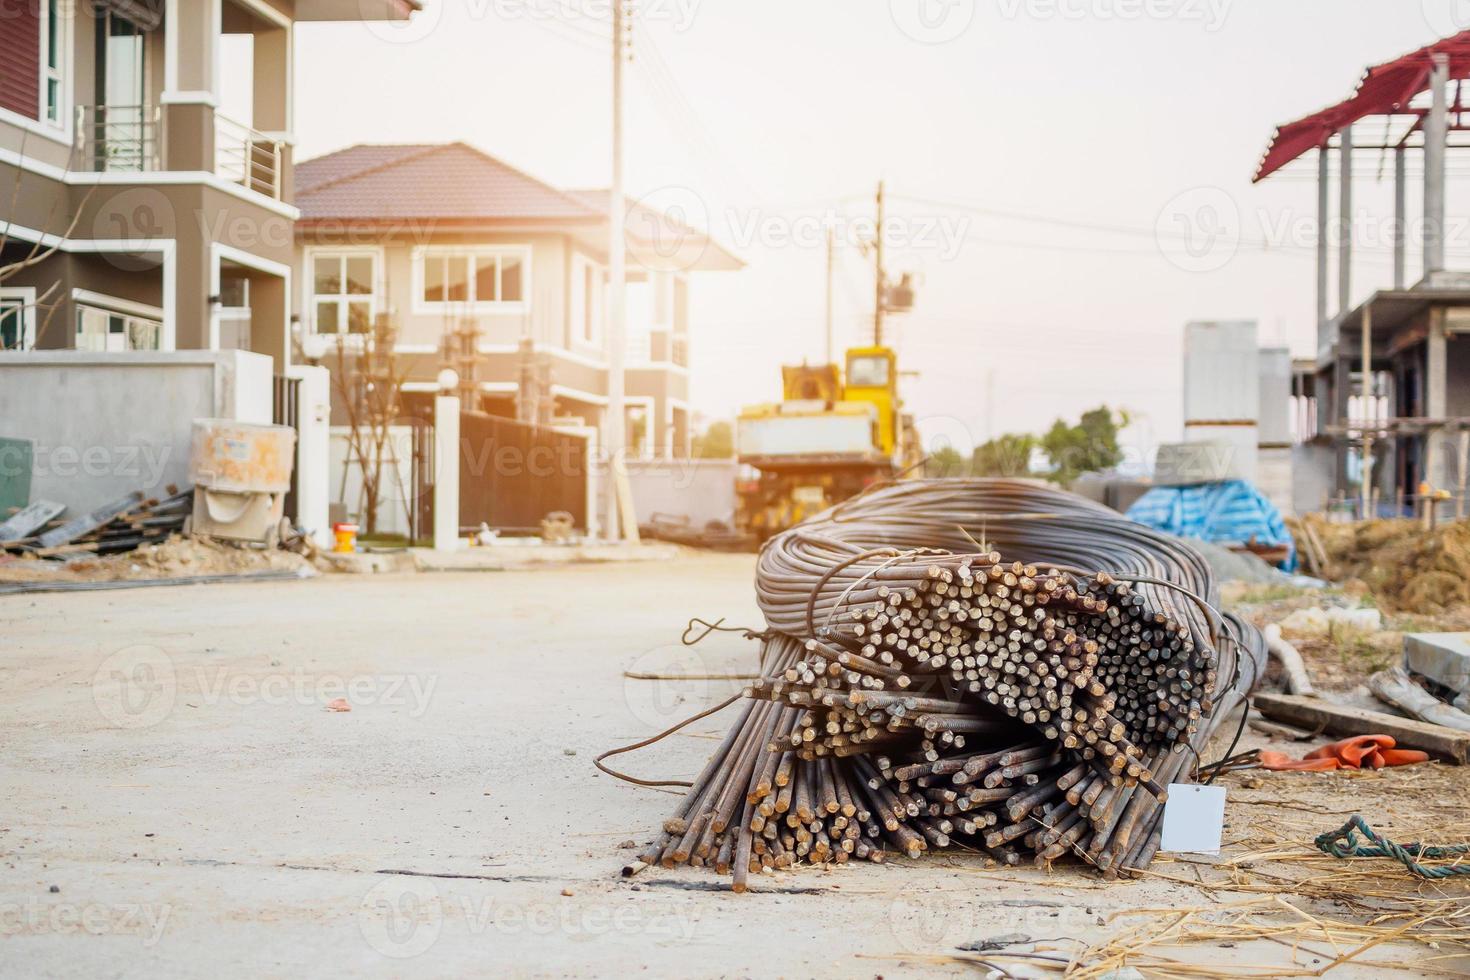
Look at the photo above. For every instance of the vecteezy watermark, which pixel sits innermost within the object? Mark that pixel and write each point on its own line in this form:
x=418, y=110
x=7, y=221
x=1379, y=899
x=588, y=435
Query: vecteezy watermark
x=668, y=682
x=135, y=687
x=587, y=15
x=37, y=918
x=1446, y=17
x=1199, y=230
x=944, y=234
x=144, y=463
x=139, y=686
x=932, y=21
x=403, y=916
x=930, y=921
x=1211, y=14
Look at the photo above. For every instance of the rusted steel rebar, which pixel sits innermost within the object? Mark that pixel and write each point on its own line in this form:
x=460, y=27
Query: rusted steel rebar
x=992, y=663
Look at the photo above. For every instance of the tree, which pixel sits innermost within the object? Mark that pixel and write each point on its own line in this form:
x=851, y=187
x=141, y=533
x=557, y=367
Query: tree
x=369, y=386
x=1009, y=455
x=945, y=461
x=1088, y=446
x=716, y=442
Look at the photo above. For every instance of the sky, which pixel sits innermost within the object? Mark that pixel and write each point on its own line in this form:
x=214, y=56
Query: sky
x=1069, y=181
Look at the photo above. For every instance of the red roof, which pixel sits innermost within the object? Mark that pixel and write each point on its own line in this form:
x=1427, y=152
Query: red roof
x=1384, y=89
x=441, y=181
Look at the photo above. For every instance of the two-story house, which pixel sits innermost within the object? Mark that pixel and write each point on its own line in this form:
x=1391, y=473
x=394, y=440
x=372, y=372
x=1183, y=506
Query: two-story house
x=449, y=241
x=134, y=215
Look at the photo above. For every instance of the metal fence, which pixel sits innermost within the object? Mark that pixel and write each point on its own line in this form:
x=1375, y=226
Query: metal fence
x=286, y=410
x=512, y=475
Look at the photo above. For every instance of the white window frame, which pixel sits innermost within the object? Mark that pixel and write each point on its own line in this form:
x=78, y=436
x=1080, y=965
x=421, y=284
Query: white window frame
x=471, y=253
x=27, y=297
x=115, y=306
x=308, y=287
x=60, y=75
x=581, y=265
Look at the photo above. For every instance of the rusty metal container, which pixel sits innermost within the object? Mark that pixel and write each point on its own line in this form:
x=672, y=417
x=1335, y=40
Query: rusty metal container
x=241, y=473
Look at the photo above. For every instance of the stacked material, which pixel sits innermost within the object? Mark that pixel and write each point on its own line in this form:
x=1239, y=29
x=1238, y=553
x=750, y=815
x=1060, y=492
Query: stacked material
x=122, y=525
x=986, y=663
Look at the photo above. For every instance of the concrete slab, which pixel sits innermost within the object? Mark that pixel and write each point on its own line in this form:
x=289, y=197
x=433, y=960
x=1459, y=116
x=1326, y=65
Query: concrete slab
x=502, y=557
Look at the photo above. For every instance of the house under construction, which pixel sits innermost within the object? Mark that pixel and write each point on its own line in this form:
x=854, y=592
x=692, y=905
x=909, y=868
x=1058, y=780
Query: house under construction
x=1410, y=433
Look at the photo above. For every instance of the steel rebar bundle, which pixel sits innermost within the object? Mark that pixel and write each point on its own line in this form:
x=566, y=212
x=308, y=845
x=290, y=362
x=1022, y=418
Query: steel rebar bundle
x=986, y=663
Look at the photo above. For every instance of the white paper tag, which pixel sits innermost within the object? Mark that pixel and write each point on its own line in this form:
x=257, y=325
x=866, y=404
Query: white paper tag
x=1194, y=818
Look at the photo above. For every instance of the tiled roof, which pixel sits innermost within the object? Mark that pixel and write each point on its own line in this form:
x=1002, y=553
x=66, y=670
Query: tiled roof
x=440, y=181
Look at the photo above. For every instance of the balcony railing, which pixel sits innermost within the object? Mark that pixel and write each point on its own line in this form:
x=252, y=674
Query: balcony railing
x=247, y=157
x=118, y=138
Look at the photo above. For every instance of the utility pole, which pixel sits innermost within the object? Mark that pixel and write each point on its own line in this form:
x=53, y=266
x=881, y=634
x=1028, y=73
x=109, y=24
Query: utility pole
x=831, y=247
x=881, y=299
x=613, y=421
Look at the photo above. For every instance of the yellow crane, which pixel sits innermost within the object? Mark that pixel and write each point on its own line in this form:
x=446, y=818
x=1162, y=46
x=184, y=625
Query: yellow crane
x=837, y=430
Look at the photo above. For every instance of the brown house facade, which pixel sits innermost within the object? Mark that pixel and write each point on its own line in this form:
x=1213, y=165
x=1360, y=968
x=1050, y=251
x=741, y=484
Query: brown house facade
x=451, y=243
x=135, y=214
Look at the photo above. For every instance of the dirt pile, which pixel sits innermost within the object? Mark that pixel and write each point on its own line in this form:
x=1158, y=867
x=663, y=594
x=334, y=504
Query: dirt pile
x=1407, y=568
x=177, y=557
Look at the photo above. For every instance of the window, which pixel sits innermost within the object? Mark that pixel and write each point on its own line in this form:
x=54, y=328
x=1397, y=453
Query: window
x=867, y=372
x=53, y=53
x=483, y=279
x=105, y=331
x=589, y=288
x=17, y=318
x=343, y=298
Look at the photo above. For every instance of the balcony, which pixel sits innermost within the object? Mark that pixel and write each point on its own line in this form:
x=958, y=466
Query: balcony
x=130, y=139
x=247, y=157
x=118, y=138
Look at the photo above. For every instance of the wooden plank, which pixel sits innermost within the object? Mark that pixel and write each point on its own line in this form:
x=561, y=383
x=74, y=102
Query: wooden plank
x=1336, y=719
x=627, y=515
x=77, y=527
x=25, y=523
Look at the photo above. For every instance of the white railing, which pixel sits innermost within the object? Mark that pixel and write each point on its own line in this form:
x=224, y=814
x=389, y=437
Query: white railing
x=247, y=157
x=118, y=138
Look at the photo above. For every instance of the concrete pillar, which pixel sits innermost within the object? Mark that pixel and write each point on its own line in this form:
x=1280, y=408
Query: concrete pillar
x=446, y=473
x=1436, y=398
x=1345, y=221
x=191, y=92
x=1323, y=340
x=313, y=451
x=272, y=79
x=1436, y=131
x=1400, y=218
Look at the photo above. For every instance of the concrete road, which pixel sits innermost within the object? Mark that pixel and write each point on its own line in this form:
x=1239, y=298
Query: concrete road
x=178, y=800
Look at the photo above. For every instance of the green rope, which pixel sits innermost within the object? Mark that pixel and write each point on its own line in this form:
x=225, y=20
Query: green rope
x=1343, y=843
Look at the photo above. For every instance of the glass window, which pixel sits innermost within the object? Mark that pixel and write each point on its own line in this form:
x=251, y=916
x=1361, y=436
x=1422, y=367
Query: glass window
x=434, y=279
x=510, y=279
x=12, y=324
x=359, y=274
x=476, y=277
x=343, y=293
x=53, y=33
x=456, y=281
x=867, y=372
x=106, y=331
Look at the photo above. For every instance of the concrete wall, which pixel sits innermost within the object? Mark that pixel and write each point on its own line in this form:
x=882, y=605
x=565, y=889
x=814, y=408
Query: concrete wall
x=1314, y=474
x=107, y=424
x=1274, y=479
x=702, y=490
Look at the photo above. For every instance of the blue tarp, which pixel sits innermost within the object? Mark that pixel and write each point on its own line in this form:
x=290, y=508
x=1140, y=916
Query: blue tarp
x=1232, y=512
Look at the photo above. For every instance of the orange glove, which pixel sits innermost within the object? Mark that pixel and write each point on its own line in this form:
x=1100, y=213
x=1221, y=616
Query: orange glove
x=1357, y=752
x=1280, y=761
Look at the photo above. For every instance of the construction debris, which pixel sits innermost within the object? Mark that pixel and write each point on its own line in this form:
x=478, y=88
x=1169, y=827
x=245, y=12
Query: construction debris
x=919, y=690
x=1324, y=716
x=122, y=525
x=1406, y=567
x=1395, y=687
